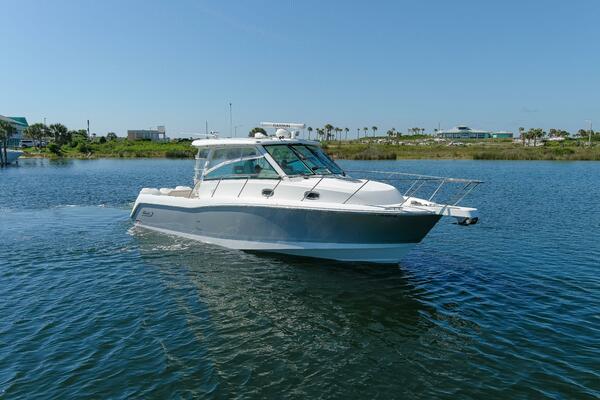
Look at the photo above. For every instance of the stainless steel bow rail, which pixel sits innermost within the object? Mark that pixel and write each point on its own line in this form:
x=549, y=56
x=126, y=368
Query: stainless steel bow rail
x=449, y=191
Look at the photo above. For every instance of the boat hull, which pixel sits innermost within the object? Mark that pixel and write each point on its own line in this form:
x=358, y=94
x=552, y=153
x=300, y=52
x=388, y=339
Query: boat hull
x=337, y=235
x=13, y=155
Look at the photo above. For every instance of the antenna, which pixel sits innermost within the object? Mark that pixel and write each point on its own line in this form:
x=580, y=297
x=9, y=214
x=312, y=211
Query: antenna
x=230, y=121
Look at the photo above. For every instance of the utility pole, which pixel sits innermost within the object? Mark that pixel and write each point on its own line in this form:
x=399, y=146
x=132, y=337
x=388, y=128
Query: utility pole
x=206, y=127
x=88, y=124
x=230, y=121
x=590, y=134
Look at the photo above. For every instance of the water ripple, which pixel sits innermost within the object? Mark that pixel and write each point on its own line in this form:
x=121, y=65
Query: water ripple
x=93, y=308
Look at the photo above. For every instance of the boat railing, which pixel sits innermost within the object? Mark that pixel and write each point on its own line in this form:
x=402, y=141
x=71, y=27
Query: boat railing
x=438, y=189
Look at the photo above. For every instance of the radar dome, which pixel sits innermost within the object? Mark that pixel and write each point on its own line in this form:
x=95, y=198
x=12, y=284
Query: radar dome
x=283, y=133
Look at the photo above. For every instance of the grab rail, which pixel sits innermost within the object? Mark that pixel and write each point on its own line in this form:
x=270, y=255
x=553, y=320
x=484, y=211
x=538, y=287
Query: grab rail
x=417, y=183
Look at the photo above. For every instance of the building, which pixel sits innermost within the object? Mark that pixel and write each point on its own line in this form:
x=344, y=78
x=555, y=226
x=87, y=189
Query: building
x=151, y=134
x=19, y=123
x=502, y=135
x=464, y=132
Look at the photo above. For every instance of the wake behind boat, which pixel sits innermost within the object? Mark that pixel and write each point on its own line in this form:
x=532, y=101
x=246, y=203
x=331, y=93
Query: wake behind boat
x=285, y=195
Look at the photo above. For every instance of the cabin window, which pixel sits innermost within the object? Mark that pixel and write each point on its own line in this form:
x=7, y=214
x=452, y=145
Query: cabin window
x=220, y=156
x=239, y=163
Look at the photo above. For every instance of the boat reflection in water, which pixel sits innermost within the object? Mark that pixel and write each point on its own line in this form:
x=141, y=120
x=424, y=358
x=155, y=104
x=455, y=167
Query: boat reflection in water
x=285, y=195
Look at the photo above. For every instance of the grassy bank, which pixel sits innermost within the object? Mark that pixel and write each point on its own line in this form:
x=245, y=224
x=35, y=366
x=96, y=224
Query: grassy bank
x=488, y=150
x=119, y=149
x=475, y=151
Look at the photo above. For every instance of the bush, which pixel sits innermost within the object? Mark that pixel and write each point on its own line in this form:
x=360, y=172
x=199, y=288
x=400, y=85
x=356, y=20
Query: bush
x=563, y=151
x=180, y=153
x=53, y=148
x=83, y=148
x=102, y=140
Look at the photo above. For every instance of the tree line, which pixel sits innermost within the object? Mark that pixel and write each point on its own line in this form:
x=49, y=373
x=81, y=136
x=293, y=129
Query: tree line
x=330, y=132
x=537, y=134
x=58, y=135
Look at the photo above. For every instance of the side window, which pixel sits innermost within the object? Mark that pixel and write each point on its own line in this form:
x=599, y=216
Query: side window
x=231, y=153
x=255, y=168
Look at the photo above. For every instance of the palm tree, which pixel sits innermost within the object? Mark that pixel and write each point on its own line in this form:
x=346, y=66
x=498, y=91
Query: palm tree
x=535, y=133
x=357, y=133
x=346, y=130
x=522, y=133
x=37, y=132
x=374, y=128
x=6, y=131
x=60, y=133
x=328, y=129
x=310, y=129
x=366, y=130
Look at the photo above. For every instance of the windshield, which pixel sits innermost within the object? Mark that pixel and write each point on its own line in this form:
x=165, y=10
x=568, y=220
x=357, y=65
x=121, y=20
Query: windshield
x=324, y=158
x=300, y=159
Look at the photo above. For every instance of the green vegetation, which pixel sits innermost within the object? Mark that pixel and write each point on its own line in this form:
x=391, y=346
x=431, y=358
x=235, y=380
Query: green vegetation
x=116, y=148
x=489, y=150
x=257, y=129
x=535, y=145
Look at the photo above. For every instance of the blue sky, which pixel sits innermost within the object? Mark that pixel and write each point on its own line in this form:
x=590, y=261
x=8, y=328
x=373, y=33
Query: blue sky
x=137, y=64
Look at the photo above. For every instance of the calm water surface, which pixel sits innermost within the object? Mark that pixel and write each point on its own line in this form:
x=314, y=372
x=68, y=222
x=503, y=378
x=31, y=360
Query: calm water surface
x=92, y=308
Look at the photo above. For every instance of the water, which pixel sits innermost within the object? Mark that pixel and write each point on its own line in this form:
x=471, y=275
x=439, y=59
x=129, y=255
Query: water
x=92, y=308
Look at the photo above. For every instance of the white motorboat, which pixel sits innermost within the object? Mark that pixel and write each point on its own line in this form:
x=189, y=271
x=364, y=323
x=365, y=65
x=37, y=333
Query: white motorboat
x=12, y=155
x=285, y=195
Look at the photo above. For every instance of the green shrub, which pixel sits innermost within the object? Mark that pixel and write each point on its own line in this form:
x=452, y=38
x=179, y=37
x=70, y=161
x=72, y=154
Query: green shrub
x=563, y=151
x=53, y=148
x=179, y=153
x=83, y=148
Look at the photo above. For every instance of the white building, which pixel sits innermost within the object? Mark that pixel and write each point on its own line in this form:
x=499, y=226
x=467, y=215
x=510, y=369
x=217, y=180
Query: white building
x=19, y=124
x=151, y=134
x=464, y=132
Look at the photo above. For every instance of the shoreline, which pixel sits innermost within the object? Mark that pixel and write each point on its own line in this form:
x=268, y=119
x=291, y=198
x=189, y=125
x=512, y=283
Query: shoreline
x=356, y=151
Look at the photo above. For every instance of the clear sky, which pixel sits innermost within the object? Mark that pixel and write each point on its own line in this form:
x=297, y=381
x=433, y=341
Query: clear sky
x=137, y=64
